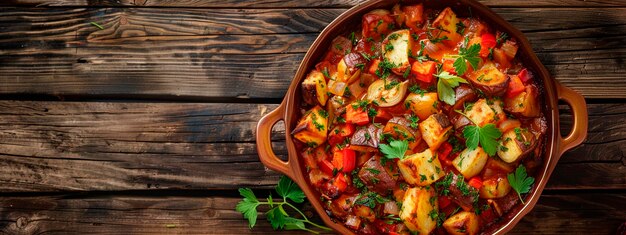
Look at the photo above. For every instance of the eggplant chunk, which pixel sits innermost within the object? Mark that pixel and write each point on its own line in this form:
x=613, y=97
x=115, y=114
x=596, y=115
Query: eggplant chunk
x=495, y=188
x=463, y=93
x=447, y=22
x=524, y=104
x=376, y=177
x=365, y=139
x=314, y=89
x=399, y=128
x=517, y=143
x=490, y=80
x=461, y=193
x=421, y=169
x=470, y=162
x=486, y=111
x=435, y=130
x=312, y=128
x=416, y=208
x=462, y=223
x=396, y=48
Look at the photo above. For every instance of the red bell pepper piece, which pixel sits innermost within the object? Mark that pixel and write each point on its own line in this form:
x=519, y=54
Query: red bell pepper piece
x=344, y=160
x=444, y=151
x=382, y=115
x=357, y=116
x=338, y=134
x=340, y=181
x=414, y=16
x=488, y=41
x=372, y=69
x=444, y=201
x=524, y=75
x=476, y=182
x=424, y=71
x=515, y=87
x=326, y=167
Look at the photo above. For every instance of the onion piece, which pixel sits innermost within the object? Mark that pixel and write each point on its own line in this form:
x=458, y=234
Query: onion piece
x=353, y=222
x=337, y=88
x=386, y=96
x=509, y=48
x=391, y=208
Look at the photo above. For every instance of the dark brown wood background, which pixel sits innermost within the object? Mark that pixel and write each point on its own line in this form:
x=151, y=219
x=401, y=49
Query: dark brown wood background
x=147, y=126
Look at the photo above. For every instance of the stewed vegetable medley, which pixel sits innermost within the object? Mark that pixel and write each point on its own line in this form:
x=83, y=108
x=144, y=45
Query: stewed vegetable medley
x=420, y=121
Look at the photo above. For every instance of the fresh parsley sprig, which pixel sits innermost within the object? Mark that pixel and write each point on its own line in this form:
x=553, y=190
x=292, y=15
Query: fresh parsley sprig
x=447, y=82
x=520, y=181
x=395, y=149
x=486, y=135
x=277, y=216
x=467, y=54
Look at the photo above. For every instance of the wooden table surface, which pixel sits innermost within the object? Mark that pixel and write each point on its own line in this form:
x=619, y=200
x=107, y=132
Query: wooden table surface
x=147, y=125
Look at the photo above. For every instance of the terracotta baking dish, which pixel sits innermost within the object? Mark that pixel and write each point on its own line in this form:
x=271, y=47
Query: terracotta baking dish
x=552, y=92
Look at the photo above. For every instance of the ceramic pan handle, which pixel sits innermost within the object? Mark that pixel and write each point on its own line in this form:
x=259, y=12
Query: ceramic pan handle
x=579, y=113
x=264, y=142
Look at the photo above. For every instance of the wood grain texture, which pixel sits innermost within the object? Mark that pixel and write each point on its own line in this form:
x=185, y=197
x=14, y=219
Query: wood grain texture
x=84, y=146
x=228, y=53
x=290, y=3
x=601, y=213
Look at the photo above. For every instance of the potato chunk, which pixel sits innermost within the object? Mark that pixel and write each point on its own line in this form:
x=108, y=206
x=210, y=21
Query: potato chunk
x=525, y=104
x=463, y=222
x=511, y=151
x=470, y=162
x=422, y=105
x=447, y=22
x=421, y=168
x=490, y=80
x=396, y=48
x=312, y=127
x=314, y=89
x=486, y=111
x=435, y=130
x=495, y=188
x=416, y=208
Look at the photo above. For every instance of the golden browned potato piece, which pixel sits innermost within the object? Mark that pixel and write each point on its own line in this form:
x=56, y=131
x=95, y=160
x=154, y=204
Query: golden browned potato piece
x=435, y=130
x=490, y=80
x=416, y=208
x=524, y=104
x=421, y=168
x=312, y=127
x=422, y=105
x=314, y=89
x=396, y=48
x=447, y=22
x=486, y=111
x=462, y=223
x=495, y=188
x=470, y=162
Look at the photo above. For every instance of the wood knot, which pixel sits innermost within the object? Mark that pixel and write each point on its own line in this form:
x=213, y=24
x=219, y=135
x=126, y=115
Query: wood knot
x=21, y=222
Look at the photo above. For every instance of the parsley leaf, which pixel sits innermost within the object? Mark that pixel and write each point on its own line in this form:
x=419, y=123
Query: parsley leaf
x=520, y=182
x=487, y=136
x=445, y=86
x=395, y=149
x=466, y=54
x=277, y=216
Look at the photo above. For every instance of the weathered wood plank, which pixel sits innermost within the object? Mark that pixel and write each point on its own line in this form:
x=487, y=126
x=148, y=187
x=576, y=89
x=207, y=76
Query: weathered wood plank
x=58, y=146
x=291, y=3
x=229, y=53
x=554, y=214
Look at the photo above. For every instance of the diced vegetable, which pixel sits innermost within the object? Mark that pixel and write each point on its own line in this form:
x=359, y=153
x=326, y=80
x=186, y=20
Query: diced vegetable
x=508, y=124
x=399, y=128
x=356, y=115
x=344, y=160
x=486, y=111
x=395, y=49
x=490, y=80
x=515, y=86
x=366, y=139
x=470, y=162
x=524, y=75
x=386, y=93
x=421, y=169
x=495, y=188
x=314, y=89
x=516, y=143
x=447, y=22
x=435, y=130
x=524, y=104
x=462, y=223
x=376, y=23
x=476, y=182
x=487, y=43
x=422, y=105
x=339, y=133
x=312, y=127
x=416, y=209
x=509, y=48
x=336, y=87
x=414, y=16
x=341, y=46
x=424, y=70
x=376, y=177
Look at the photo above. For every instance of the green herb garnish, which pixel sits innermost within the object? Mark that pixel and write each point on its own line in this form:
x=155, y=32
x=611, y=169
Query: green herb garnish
x=445, y=86
x=466, y=54
x=487, y=136
x=520, y=181
x=395, y=149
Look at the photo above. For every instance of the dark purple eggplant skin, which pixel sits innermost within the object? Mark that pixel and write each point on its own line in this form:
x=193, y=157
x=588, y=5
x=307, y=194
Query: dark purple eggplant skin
x=442, y=119
x=309, y=94
x=374, y=175
x=527, y=144
x=360, y=137
x=457, y=196
x=352, y=59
